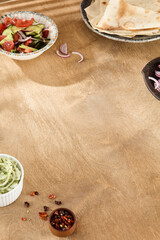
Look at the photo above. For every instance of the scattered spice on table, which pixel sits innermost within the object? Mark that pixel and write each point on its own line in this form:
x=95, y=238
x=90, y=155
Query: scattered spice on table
x=52, y=196
x=34, y=193
x=46, y=208
x=26, y=204
x=43, y=215
x=28, y=211
x=23, y=219
x=62, y=220
x=58, y=202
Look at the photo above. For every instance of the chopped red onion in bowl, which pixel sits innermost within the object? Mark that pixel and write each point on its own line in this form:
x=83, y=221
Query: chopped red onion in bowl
x=157, y=73
x=156, y=83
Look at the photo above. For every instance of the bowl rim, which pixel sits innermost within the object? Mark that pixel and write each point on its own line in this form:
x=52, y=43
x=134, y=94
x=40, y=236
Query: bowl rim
x=22, y=171
x=70, y=211
x=49, y=44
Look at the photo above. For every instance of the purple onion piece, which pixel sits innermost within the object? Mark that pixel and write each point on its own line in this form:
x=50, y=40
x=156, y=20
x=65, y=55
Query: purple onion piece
x=63, y=48
x=61, y=55
x=156, y=83
x=78, y=53
x=24, y=40
x=157, y=73
x=22, y=34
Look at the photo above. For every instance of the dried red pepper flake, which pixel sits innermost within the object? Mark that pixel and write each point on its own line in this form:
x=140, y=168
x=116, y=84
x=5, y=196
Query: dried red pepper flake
x=52, y=196
x=46, y=208
x=58, y=202
x=34, y=193
x=26, y=204
x=43, y=215
x=23, y=219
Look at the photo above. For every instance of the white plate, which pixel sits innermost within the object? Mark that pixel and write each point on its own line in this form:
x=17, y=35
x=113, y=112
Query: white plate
x=136, y=39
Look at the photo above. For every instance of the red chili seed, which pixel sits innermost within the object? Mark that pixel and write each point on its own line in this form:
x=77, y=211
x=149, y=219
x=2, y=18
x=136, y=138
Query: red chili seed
x=23, y=219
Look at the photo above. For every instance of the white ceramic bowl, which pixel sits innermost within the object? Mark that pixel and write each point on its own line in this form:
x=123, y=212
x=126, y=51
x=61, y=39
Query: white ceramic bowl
x=10, y=197
x=49, y=24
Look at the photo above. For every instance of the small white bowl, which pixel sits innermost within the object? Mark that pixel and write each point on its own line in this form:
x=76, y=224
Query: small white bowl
x=49, y=24
x=10, y=197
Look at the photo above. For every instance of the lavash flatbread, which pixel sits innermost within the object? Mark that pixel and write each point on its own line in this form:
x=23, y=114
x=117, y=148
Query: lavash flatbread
x=122, y=18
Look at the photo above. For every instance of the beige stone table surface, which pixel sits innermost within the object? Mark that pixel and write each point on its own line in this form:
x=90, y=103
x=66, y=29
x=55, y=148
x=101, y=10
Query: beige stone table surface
x=89, y=133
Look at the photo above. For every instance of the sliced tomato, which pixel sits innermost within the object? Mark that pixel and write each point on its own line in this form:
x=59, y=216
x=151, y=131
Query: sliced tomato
x=24, y=23
x=15, y=20
x=8, y=21
x=27, y=51
x=16, y=37
x=45, y=33
x=29, y=41
x=2, y=37
x=2, y=27
x=8, y=45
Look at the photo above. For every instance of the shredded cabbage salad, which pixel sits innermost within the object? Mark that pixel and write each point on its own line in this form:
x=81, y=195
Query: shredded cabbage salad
x=10, y=174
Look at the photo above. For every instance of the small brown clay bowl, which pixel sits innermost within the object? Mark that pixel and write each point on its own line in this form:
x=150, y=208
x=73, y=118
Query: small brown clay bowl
x=149, y=71
x=60, y=233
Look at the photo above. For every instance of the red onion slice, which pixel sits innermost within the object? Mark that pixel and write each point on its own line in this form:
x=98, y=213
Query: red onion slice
x=157, y=73
x=156, y=83
x=21, y=34
x=61, y=55
x=63, y=49
x=155, y=86
x=77, y=53
x=24, y=40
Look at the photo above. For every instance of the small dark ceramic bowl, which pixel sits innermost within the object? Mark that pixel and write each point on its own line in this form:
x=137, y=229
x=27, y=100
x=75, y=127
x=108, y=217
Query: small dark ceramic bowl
x=149, y=71
x=60, y=233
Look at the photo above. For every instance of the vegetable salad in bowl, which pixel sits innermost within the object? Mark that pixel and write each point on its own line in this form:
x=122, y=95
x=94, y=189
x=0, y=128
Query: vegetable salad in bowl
x=22, y=36
x=26, y=35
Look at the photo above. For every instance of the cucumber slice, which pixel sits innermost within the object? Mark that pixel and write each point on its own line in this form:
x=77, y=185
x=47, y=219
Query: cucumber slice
x=9, y=37
x=26, y=47
x=7, y=31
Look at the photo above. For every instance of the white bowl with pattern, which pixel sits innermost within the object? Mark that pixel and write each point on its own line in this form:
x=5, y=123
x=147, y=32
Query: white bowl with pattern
x=27, y=15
